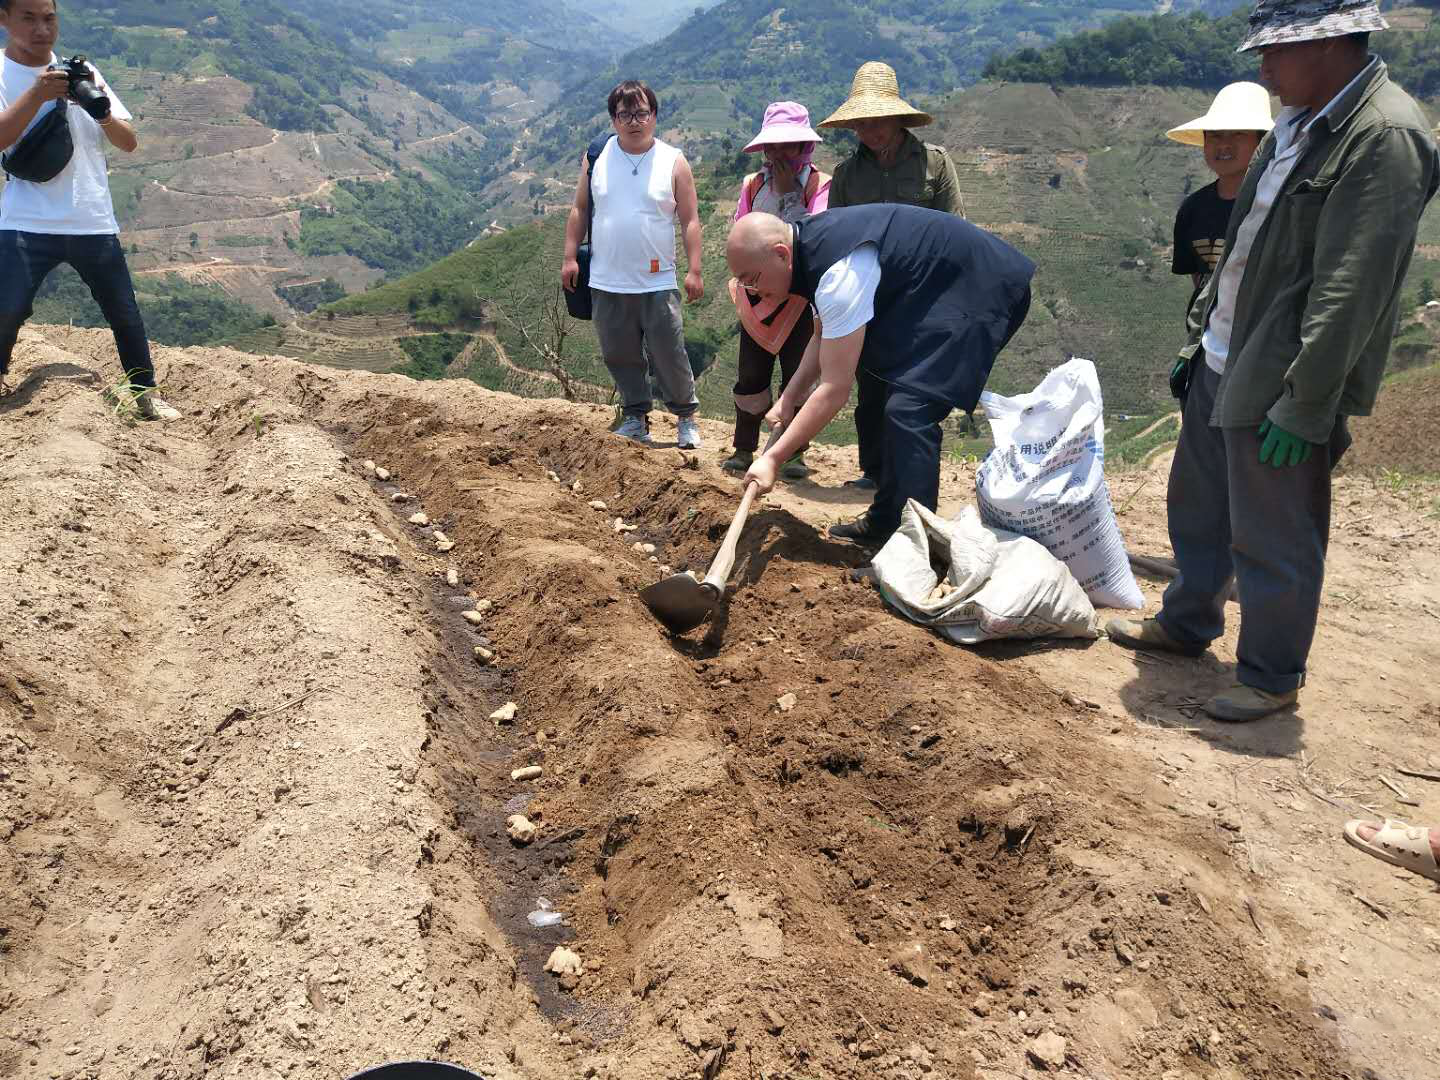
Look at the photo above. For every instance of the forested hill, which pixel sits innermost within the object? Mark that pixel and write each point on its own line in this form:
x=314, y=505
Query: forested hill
x=306, y=58
x=1198, y=51
x=717, y=71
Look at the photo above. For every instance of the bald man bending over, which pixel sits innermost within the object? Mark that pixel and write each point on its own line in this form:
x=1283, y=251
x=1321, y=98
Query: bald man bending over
x=920, y=299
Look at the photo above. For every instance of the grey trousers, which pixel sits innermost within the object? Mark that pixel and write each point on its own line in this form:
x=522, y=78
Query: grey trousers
x=1267, y=528
x=640, y=333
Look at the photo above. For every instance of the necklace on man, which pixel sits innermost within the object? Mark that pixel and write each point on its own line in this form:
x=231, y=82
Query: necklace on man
x=635, y=165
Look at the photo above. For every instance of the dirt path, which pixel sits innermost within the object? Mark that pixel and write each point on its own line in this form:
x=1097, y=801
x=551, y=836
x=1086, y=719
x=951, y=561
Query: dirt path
x=929, y=865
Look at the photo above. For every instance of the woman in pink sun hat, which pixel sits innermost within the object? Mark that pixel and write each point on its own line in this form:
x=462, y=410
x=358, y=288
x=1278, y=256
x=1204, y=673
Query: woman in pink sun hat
x=789, y=186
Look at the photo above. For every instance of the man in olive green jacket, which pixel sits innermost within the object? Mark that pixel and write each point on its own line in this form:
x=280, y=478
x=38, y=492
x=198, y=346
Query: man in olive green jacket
x=890, y=165
x=1295, y=333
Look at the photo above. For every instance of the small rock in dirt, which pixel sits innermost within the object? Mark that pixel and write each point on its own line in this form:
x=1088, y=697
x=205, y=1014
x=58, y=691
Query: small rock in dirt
x=918, y=1056
x=401, y=496
x=530, y=772
x=1048, y=1051
x=598, y=504
x=505, y=714
x=474, y=618
x=442, y=542
x=1302, y=969
x=577, y=487
x=621, y=527
x=550, y=474
x=948, y=925
x=982, y=1004
x=786, y=702
x=419, y=518
x=1018, y=825
x=382, y=474
x=912, y=962
x=484, y=655
x=452, y=578
x=647, y=549
x=564, y=962
x=774, y=1021
x=521, y=829
x=369, y=467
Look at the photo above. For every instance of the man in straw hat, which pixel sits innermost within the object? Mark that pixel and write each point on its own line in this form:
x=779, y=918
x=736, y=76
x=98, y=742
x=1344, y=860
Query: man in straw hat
x=1229, y=134
x=890, y=166
x=1294, y=333
x=922, y=300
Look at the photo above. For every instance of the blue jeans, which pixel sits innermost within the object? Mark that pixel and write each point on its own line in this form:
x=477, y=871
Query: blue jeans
x=25, y=260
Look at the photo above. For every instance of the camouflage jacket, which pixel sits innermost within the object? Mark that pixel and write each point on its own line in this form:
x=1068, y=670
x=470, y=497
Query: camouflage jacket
x=1319, y=298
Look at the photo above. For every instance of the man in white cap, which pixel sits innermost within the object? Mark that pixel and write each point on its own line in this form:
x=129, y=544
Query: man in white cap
x=1229, y=134
x=1294, y=335
x=890, y=165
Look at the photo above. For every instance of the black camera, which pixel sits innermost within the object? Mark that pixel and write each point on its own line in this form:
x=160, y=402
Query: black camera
x=82, y=86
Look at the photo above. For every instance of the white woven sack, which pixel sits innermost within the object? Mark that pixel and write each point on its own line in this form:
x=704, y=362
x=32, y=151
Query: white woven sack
x=1046, y=479
x=1004, y=585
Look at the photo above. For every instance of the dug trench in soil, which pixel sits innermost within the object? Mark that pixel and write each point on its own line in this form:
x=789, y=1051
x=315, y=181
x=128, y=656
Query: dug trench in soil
x=752, y=882
x=927, y=863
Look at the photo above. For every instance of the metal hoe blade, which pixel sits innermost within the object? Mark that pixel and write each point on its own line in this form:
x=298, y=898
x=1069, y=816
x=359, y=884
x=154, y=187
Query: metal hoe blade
x=680, y=602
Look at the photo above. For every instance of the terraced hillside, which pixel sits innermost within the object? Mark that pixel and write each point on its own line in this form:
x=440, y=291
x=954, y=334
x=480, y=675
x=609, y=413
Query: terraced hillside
x=261, y=124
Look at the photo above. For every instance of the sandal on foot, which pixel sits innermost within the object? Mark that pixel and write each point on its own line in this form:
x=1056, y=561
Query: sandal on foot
x=1399, y=844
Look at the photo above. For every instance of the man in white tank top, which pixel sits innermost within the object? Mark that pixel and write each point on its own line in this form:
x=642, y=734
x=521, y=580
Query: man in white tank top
x=641, y=185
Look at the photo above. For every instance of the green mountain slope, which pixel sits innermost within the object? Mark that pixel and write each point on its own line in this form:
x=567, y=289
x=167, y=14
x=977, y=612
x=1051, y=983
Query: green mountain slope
x=290, y=149
x=1081, y=180
x=717, y=71
x=1194, y=50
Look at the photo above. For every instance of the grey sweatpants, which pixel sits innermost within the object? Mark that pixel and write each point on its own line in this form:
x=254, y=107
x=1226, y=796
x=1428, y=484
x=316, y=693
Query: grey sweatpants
x=1267, y=528
x=641, y=332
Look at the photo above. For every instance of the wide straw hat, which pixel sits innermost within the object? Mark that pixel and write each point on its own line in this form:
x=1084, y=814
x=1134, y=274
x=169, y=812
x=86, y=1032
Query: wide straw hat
x=785, y=122
x=875, y=93
x=1241, y=106
x=1278, y=22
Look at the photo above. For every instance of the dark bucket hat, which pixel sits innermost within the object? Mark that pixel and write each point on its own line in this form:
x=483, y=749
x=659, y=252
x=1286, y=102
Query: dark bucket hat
x=1277, y=22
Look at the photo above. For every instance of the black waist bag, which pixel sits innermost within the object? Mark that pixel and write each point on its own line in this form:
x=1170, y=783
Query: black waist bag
x=579, y=302
x=45, y=149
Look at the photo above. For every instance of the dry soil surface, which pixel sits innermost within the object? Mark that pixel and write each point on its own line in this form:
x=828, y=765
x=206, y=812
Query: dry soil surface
x=254, y=801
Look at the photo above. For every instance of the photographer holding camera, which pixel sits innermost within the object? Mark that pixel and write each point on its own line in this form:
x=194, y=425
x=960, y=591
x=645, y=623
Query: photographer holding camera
x=56, y=204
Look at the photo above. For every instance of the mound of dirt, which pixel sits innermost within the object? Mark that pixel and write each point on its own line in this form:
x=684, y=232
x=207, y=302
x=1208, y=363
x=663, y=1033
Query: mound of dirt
x=255, y=784
x=1404, y=431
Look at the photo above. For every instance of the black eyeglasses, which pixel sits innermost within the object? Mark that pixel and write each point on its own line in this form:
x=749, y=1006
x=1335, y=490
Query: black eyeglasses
x=639, y=116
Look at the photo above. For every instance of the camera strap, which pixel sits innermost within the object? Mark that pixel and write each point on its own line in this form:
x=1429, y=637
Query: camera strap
x=44, y=151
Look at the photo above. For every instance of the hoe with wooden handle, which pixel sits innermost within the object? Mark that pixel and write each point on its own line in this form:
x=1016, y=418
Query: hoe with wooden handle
x=681, y=602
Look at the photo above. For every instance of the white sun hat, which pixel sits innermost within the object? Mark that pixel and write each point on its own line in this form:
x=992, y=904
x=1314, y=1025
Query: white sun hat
x=1241, y=106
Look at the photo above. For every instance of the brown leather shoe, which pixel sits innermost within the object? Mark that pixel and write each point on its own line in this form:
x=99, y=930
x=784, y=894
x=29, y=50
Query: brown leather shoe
x=1242, y=704
x=1149, y=636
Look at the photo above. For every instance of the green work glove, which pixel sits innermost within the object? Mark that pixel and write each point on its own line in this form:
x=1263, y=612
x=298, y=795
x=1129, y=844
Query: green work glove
x=1180, y=379
x=1279, y=449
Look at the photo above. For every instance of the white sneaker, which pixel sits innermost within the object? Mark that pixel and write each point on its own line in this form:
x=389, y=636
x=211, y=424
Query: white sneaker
x=689, y=434
x=636, y=429
x=151, y=407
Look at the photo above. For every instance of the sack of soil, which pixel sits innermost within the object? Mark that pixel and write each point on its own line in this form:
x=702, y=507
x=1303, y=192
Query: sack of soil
x=1045, y=479
x=974, y=583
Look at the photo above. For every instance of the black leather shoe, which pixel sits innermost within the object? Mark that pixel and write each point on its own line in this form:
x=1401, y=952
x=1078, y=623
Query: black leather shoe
x=860, y=531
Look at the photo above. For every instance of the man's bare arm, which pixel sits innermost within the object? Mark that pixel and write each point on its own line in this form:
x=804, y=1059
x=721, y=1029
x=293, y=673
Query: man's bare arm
x=838, y=360
x=575, y=228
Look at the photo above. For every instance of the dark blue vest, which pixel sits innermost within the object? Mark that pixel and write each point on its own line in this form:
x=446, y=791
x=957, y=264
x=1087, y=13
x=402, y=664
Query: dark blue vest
x=947, y=297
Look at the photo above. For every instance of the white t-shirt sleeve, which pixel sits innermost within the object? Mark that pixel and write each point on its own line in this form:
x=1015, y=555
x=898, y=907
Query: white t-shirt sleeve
x=845, y=297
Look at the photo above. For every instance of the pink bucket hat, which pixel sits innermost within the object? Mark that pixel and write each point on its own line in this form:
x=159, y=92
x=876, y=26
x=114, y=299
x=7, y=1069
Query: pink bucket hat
x=785, y=122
